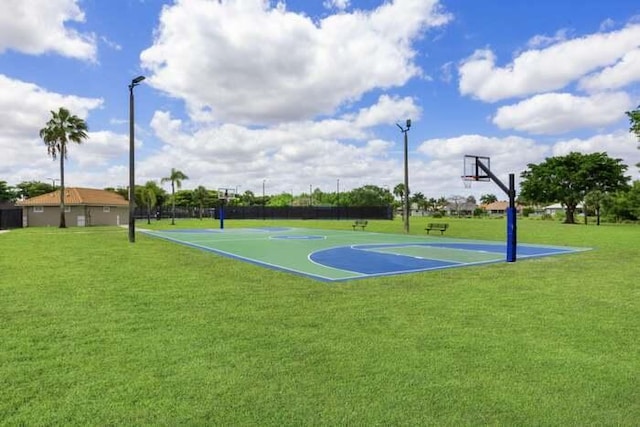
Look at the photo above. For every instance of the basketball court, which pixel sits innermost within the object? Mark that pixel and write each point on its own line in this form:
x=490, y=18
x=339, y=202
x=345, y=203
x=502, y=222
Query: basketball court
x=338, y=255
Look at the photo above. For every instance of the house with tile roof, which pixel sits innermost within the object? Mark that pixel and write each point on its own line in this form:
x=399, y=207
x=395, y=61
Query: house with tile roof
x=83, y=207
x=500, y=208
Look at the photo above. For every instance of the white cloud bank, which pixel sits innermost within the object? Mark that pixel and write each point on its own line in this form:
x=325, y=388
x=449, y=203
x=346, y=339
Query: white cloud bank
x=248, y=62
x=549, y=69
x=38, y=26
x=555, y=113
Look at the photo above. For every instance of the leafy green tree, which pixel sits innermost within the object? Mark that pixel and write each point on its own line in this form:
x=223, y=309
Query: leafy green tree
x=282, y=199
x=623, y=205
x=7, y=193
x=567, y=179
x=368, y=195
x=175, y=177
x=246, y=199
x=184, y=198
x=619, y=207
x=28, y=189
x=201, y=197
x=593, y=200
x=62, y=128
x=123, y=191
x=634, y=121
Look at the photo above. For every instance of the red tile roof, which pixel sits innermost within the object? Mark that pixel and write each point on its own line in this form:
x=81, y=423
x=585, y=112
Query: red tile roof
x=77, y=196
x=499, y=206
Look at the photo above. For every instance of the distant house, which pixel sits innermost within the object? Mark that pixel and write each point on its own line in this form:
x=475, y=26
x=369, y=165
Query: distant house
x=83, y=207
x=460, y=209
x=500, y=208
x=559, y=208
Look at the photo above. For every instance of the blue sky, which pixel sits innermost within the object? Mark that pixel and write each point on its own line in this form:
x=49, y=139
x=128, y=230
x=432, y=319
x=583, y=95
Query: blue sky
x=307, y=92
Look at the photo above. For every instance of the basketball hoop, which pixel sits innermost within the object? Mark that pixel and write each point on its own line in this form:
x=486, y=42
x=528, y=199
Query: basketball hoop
x=467, y=180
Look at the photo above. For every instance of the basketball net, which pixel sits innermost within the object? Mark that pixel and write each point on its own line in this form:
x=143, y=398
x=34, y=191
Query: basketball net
x=467, y=180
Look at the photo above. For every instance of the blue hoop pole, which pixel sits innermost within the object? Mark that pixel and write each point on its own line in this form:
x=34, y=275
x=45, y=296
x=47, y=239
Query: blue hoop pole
x=511, y=234
x=222, y=215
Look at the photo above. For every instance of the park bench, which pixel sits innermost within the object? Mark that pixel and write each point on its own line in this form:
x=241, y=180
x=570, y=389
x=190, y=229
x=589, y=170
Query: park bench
x=434, y=226
x=362, y=223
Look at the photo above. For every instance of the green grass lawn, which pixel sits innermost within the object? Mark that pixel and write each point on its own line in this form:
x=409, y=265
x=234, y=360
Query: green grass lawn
x=97, y=331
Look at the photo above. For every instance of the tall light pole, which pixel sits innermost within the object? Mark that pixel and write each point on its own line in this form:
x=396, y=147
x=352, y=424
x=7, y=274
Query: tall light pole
x=406, y=175
x=132, y=175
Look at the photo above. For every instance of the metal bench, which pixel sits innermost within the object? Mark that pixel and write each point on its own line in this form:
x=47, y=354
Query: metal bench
x=362, y=223
x=435, y=226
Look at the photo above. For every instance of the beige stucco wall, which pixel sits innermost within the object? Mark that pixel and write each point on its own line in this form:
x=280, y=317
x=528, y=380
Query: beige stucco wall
x=93, y=215
x=116, y=215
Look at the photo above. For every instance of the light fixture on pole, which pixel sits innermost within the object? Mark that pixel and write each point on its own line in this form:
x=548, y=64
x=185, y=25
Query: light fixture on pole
x=405, y=209
x=132, y=180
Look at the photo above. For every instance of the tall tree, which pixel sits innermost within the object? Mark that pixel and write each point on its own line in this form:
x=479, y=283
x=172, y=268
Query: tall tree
x=634, y=122
x=399, y=191
x=594, y=200
x=28, y=189
x=176, y=177
x=368, y=195
x=568, y=179
x=62, y=128
x=420, y=200
x=201, y=197
x=148, y=195
x=7, y=193
x=486, y=199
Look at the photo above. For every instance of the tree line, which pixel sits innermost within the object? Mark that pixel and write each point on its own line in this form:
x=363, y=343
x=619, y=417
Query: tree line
x=595, y=180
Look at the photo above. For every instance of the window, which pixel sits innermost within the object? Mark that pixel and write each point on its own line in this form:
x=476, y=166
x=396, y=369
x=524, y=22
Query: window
x=106, y=209
x=67, y=208
x=38, y=209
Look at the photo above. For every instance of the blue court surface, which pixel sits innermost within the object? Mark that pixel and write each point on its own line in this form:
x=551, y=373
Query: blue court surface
x=335, y=255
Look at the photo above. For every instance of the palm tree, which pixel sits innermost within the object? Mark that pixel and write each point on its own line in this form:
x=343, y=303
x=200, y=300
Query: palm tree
x=595, y=199
x=487, y=199
x=149, y=197
x=200, y=195
x=61, y=129
x=176, y=177
x=399, y=192
x=420, y=200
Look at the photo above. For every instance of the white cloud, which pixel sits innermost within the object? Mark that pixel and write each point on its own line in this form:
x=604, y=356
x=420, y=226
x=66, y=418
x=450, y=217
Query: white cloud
x=618, y=145
x=24, y=110
x=624, y=72
x=103, y=147
x=388, y=110
x=36, y=27
x=552, y=68
x=337, y=4
x=443, y=166
x=247, y=62
x=554, y=113
x=539, y=41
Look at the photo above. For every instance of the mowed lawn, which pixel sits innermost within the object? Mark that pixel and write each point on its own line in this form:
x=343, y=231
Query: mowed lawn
x=97, y=331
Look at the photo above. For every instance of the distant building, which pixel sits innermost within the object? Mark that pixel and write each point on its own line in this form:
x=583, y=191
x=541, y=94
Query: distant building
x=83, y=207
x=559, y=207
x=463, y=208
x=500, y=208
